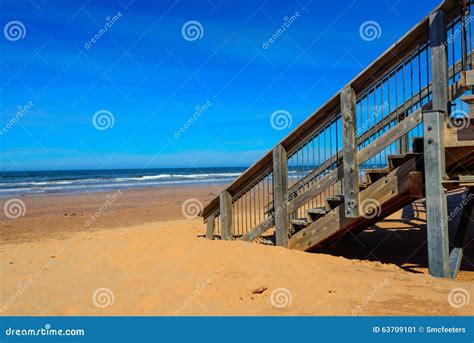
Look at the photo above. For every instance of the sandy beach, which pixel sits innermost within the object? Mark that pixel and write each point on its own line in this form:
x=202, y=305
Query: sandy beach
x=141, y=256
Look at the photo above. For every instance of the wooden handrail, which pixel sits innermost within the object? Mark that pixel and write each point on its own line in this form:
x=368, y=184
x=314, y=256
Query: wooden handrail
x=418, y=36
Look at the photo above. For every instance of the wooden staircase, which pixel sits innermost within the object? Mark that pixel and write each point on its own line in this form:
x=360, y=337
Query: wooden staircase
x=310, y=189
x=375, y=180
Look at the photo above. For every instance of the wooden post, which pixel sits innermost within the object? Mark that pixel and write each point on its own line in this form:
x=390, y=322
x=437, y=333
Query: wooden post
x=211, y=223
x=434, y=152
x=439, y=61
x=349, y=153
x=225, y=201
x=280, y=195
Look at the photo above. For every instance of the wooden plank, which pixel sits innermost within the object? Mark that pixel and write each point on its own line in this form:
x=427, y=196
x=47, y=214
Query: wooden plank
x=467, y=78
x=280, y=195
x=259, y=229
x=225, y=200
x=210, y=228
x=349, y=154
x=463, y=137
x=469, y=99
x=381, y=192
x=439, y=62
x=399, y=130
x=416, y=184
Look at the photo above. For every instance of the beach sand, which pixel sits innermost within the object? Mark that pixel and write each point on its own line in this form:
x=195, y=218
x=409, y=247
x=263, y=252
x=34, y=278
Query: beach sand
x=141, y=256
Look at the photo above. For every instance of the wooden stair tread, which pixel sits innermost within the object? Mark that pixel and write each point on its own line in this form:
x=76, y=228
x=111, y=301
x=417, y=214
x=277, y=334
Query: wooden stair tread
x=334, y=201
x=377, y=170
x=372, y=175
x=467, y=78
x=395, y=161
x=317, y=210
x=297, y=225
x=468, y=98
x=299, y=222
x=315, y=213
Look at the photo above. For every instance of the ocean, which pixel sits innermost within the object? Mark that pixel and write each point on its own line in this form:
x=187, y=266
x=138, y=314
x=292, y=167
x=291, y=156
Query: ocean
x=75, y=181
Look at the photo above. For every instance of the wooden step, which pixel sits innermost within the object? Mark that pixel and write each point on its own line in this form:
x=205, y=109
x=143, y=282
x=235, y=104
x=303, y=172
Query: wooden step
x=334, y=201
x=395, y=161
x=467, y=79
x=316, y=213
x=469, y=99
x=363, y=185
x=373, y=175
x=297, y=225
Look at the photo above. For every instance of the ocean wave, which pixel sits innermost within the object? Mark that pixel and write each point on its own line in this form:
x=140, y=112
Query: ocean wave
x=81, y=184
x=120, y=179
x=178, y=176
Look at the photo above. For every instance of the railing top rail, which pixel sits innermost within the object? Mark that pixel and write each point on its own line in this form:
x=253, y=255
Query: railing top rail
x=392, y=57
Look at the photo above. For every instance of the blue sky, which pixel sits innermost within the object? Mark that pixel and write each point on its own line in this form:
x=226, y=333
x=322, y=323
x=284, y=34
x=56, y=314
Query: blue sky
x=150, y=79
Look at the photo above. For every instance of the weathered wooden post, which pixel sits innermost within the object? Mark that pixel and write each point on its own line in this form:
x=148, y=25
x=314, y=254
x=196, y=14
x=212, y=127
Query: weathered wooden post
x=434, y=152
x=225, y=202
x=349, y=153
x=211, y=223
x=280, y=195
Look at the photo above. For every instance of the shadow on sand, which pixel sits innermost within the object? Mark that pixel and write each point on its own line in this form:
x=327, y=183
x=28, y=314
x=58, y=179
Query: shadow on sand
x=401, y=239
